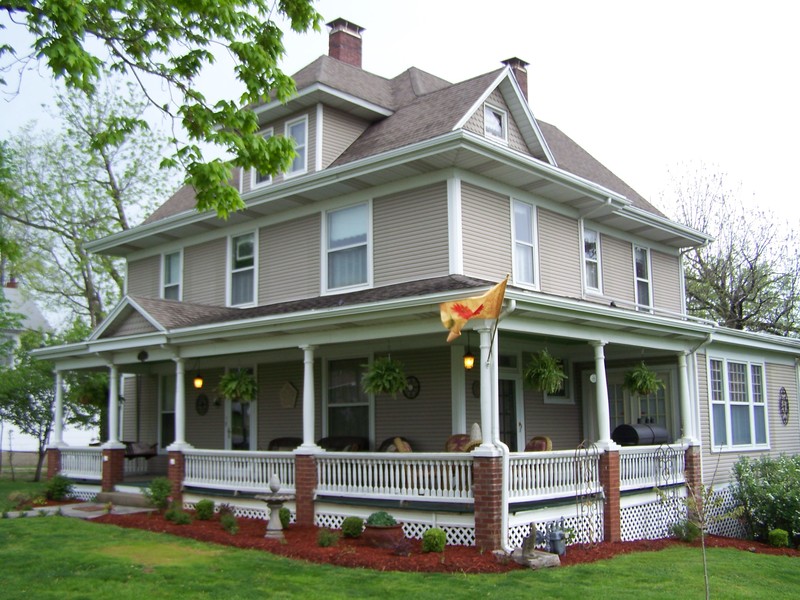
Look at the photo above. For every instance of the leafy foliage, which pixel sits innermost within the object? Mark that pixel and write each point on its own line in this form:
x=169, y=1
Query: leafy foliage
x=384, y=376
x=238, y=385
x=204, y=509
x=434, y=540
x=381, y=519
x=58, y=488
x=769, y=490
x=545, y=372
x=779, y=538
x=352, y=527
x=159, y=492
x=285, y=516
x=173, y=42
x=327, y=537
x=229, y=522
x=641, y=380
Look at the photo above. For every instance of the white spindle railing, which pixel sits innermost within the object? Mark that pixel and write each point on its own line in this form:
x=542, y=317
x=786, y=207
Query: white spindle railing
x=238, y=470
x=559, y=474
x=417, y=476
x=82, y=462
x=651, y=466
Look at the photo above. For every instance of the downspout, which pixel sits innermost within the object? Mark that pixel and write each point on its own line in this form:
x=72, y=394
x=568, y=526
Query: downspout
x=705, y=342
x=506, y=547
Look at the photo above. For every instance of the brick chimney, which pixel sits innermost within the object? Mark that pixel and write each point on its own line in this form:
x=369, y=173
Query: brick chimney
x=517, y=66
x=344, y=42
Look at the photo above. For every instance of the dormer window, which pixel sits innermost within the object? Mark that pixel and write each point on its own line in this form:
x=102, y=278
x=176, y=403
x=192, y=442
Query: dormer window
x=495, y=123
x=298, y=131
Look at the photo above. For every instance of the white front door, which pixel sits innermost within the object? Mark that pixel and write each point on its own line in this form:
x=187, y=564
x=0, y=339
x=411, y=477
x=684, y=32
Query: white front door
x=241, y=425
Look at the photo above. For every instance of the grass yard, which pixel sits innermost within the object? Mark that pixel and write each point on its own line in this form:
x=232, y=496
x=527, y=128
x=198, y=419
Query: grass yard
x=23, y=483
x=61, y=558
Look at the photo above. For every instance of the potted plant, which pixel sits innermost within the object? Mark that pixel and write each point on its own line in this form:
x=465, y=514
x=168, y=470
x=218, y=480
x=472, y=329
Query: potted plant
x=641, y=380
x=238, y=385
x=545, y=372
x=381, y=530
x=384, y=376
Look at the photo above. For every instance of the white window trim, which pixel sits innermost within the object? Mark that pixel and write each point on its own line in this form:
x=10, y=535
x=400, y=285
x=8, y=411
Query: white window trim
x=326, y=393
x=229, y=271
x=254, y=183
x=324, y=249
x=729, y=446
x=304, y=119
x=535, y=244
x=164, y=270
x=649, y=280
x=504, y=126
x=588, y=289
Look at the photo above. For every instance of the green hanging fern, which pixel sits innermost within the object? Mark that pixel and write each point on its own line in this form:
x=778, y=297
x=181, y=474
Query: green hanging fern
x=384, y=376
x=643, y=381
x=545, y=373
x=238, y=385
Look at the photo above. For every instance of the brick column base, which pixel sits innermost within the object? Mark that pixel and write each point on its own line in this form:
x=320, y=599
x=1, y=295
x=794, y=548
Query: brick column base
x=609, y=479
x=176, y=471
x=53, y=462
x=487, y=490
x=694, y=476
x=113, y=468
x=305, y=482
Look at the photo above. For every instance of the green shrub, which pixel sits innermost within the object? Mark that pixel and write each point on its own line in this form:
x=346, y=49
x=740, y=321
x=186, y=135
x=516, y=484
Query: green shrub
x=204, y=509
x=225, y=509
x=159, y=492
x=686, y=531
x=381, y=519
x=229, y=523
x=58, y=488
x=285, y=515
x=352, y=527
x=768, y=489
x=778, y=538
x=434, y=540
x=327, y=538
x=177, y=515
x=21, y=500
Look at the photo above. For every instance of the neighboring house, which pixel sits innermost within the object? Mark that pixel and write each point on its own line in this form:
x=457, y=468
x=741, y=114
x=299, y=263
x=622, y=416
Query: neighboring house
x=406, y=193
x=30, y=317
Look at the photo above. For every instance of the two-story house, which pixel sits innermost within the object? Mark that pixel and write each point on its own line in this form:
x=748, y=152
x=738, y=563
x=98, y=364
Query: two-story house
x=406, y=193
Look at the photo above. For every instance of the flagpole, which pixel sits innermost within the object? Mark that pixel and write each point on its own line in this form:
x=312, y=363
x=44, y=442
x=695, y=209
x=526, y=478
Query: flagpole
x=491, y=341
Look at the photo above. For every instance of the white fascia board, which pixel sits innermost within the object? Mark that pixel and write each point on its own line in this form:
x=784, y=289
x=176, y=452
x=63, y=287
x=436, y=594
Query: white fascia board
x=328, y=91
x=653, y=220
x=522, y=104
x=756, y=341
x=479, y=102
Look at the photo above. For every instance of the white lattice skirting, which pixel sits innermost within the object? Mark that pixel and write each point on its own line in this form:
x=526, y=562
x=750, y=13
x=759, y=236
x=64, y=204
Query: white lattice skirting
x=649, y=517
x=583, y=523
x=726, y=527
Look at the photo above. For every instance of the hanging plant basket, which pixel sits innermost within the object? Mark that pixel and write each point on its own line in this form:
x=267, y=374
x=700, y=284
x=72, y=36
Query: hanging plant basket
x=545, y=373
x=238, y=385
x=641, y=380
x=384, y=376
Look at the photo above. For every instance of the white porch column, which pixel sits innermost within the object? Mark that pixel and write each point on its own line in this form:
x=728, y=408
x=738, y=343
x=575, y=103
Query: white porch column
x=58, y=417
x=308, y=398
x=487, y=389
x=687, y=431
x=113, y=408
x=180, y=406
x=601, y=397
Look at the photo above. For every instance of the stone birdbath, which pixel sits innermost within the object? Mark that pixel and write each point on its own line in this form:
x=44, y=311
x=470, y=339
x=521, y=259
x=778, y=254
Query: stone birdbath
x=274, y=502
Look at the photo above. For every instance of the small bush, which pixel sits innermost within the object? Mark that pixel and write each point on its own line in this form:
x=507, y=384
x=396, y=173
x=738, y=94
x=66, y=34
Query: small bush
x=159, y=492
x=769, y=490
x=779, y=538
x=177, y=515
x=21, y=500
x=225, y=509
x=434, y=540
x=686, y=531
x=381, y=519
x=204, y=509
x=285, y=515
x=58, y=488
x=352, y=527
x=229, y=523
x=327, y=538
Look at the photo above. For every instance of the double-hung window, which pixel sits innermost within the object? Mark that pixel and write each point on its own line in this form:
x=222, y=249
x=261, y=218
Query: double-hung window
x=242, y=269
x=591, y=260
x=260, y=179
x=525, y=259
x=641, y=257
x=738, y=405
x=171, y=276
x=348, y=404
x=297, y=130
x=495, y=123
x=347, y=238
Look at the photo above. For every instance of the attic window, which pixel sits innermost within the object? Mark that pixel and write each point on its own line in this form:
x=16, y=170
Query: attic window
x=494, y=122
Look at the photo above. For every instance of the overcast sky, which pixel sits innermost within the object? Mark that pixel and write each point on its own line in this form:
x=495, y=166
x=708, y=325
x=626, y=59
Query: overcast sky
x=647, y=88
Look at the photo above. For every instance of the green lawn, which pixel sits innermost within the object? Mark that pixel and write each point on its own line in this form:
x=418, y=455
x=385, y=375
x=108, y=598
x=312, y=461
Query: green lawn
x=22, y=483
x=62, y=558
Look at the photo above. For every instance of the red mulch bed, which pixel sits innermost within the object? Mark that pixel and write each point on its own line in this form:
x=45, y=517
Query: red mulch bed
x=301, y=543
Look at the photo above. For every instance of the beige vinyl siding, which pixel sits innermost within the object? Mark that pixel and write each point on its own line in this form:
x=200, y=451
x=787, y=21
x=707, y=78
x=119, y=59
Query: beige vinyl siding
x=279, y=128
x=666, y=282
x=148, y=411
x=204, y=272
x=424, y=420
x=208, y=430
x=562, y=423
x=617, y=265
x=289, y=260
x=486, y=226
x=274, y=418
x=339, y=130
x=144, y=277
x=475, y=123
x=560, y=257
x=131, y=325
x=410, y=235
x=128, y=413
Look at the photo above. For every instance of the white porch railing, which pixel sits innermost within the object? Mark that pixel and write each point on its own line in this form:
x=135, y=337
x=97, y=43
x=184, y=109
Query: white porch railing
x=82, y=462
x=546, y=475
x=418, y=476
x=238, y=470
x=643, y=467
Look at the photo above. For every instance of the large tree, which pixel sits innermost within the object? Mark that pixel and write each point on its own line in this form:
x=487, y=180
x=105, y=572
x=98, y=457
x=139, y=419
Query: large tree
x=94, y=176
x=171, y=43
x=748, y=277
